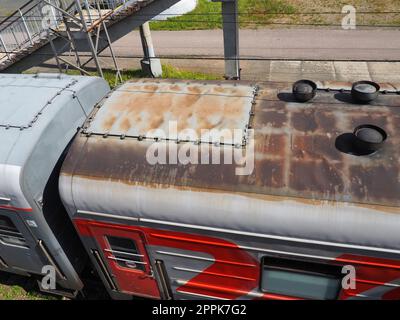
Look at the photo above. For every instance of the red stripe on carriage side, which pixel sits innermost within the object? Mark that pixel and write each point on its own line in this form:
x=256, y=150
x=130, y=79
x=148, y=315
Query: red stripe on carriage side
x=241, y=275
x=244, y=269
x=371, y=273
x=368, y=261
x=16, y=208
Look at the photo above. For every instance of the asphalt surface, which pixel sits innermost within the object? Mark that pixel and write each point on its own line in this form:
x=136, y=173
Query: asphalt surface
x=324, y=44
x=368, y=52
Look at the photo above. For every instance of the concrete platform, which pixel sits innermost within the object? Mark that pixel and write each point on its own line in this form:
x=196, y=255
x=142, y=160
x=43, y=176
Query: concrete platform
x=274, y=70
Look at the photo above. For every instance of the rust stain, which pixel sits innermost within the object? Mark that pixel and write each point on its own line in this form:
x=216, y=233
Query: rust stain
x=108, y=123
x=305, y=147
x=218, y=89
x=272, y=144
x=172, y=88
x=295, y=153
x=304, y=120
x=139, y=108
x=249, y=194
x=125, y=124
x=379, y=120
x=150, y=87
x=321, y=177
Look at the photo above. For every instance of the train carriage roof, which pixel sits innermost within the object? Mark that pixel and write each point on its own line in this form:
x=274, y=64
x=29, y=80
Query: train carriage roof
x=295, y=143
x=300, y=174
x=39, y=114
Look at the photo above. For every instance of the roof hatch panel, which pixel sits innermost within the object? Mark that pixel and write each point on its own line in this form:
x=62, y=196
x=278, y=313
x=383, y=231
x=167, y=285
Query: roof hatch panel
x=154, y=109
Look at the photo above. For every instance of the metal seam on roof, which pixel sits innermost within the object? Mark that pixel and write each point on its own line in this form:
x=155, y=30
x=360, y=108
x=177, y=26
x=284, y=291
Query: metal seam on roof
x=37, y=114
x=31, y=86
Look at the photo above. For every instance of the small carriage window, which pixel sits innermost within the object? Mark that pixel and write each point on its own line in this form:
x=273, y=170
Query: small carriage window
x=300, y=279
x=125, y=253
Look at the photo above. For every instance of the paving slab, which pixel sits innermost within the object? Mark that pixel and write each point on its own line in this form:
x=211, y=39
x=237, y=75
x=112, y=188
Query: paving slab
x=384, y=72
x=318, y=70
x=285, y=70
x=352, y=71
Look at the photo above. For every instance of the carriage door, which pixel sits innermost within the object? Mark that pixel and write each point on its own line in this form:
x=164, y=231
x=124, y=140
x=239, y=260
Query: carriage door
x=125, y=254
x=17, y=246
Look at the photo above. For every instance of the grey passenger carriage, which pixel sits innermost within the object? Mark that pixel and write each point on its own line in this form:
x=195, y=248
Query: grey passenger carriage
x=314, y=204
x=39, y=115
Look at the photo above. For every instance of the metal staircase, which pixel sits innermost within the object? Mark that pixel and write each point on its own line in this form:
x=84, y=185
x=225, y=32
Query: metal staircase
x=39, y=22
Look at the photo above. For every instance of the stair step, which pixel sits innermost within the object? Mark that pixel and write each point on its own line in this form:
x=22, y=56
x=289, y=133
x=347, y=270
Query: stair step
x=109, y=17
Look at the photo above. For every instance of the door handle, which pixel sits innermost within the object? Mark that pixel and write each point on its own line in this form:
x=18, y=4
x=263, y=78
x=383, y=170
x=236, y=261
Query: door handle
x=147, y=276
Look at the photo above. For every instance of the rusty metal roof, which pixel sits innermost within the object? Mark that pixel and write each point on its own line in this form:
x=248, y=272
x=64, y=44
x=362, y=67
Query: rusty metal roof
x=142, y=109
x=295, y=153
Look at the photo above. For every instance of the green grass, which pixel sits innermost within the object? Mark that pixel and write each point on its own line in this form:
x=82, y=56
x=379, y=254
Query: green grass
x=18, y=293
x=14, y=287
x=284, y=13
x=109, y=75
x=169, y=72
x=207, y=15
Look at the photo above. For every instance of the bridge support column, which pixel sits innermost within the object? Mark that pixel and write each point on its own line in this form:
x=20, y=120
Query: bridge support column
x=230, y=21
x=150, y=64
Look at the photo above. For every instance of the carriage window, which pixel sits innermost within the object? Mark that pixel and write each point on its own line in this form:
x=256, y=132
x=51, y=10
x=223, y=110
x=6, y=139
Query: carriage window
x=300, y=279
x=125, y=253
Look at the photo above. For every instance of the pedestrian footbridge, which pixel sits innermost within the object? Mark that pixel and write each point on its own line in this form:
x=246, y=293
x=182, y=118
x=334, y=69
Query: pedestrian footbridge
x=42, y=29
x=75, y=32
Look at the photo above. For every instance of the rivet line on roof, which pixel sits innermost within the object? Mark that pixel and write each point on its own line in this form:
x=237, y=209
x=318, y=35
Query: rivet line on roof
x=40, y=112
x=158, y=139
x=255, y=92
